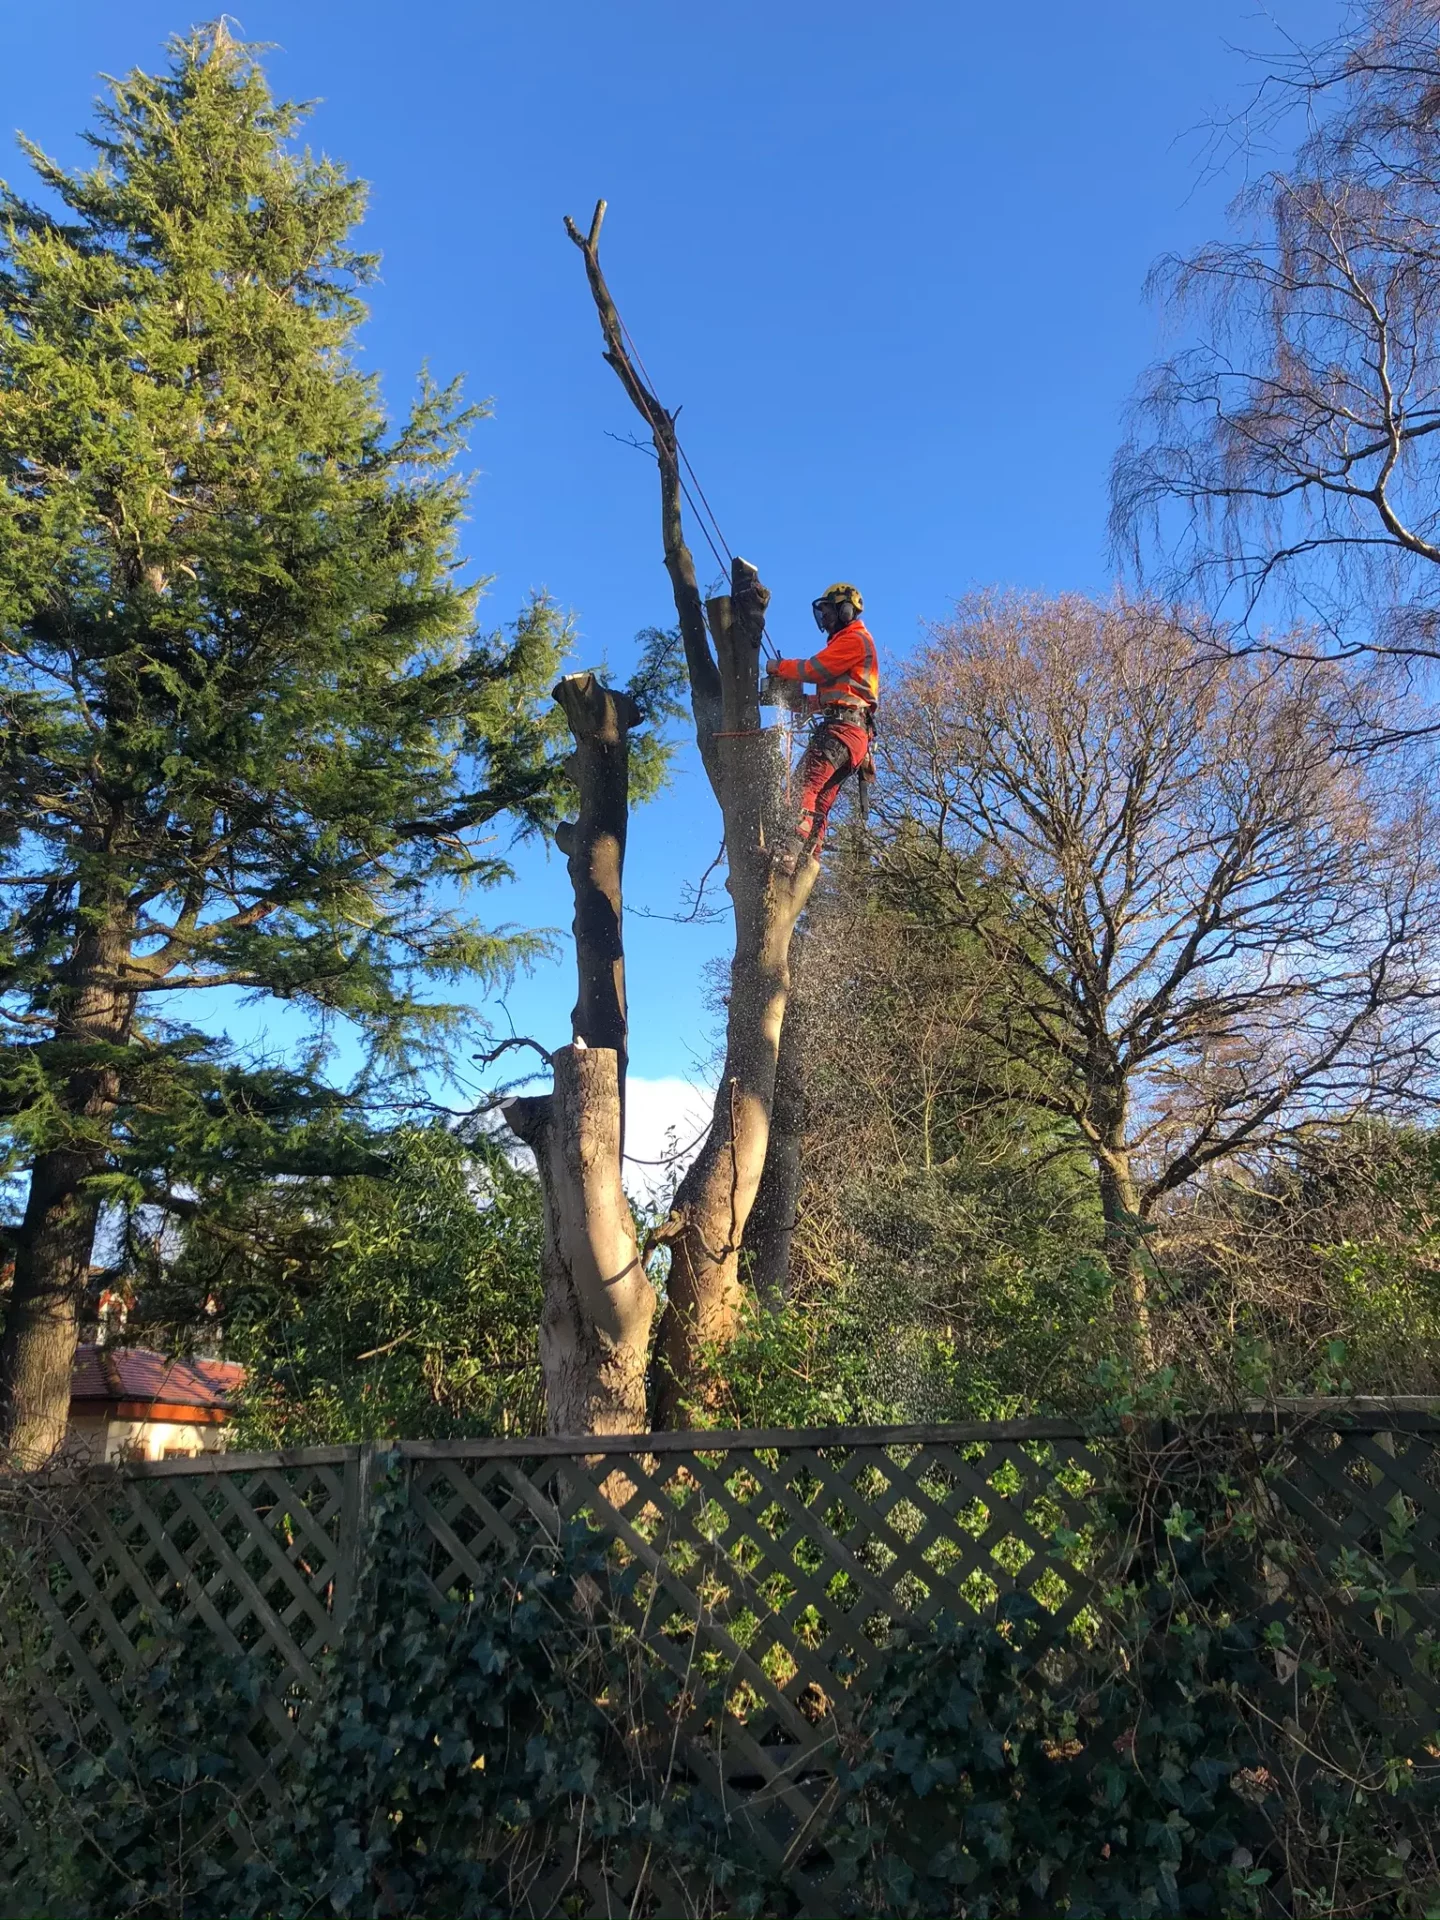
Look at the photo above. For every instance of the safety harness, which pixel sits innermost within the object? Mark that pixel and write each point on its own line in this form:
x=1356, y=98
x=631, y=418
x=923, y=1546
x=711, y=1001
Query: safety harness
x=855, y=713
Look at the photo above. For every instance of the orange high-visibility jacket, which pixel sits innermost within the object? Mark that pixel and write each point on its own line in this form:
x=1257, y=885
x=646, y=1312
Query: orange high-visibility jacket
x=846, y=669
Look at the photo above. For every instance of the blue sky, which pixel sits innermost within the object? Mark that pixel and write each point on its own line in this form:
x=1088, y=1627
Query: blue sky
x=889, y=258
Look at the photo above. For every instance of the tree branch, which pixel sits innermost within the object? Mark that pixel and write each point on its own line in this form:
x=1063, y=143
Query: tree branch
x=705, y=689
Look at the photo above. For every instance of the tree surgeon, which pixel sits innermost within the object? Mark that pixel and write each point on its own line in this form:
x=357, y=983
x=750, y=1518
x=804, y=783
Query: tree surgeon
x=846, y=676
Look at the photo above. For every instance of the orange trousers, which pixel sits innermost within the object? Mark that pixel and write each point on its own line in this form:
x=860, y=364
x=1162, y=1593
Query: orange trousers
x=834, y=751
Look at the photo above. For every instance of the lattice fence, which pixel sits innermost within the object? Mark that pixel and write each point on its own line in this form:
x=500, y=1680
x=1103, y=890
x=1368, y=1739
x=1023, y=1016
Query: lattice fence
x=779, y=1564
x=261, y=1553
x=1361, y=1500
x=766, y=1569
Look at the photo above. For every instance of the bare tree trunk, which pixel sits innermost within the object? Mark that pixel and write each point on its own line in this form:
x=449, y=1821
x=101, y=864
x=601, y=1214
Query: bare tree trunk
x=714, y=1201
x=713, y=1204
x=1120, y=1206
x=595, y=1325
x=57, y=1235
x=594, y=845
x=770, y=1232
x=770, y=1235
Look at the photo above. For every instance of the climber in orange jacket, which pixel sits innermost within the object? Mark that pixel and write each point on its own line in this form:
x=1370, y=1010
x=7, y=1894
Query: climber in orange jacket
x=846, y=676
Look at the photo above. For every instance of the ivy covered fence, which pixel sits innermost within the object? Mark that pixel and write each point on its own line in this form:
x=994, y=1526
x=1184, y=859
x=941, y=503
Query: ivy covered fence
x=1004, y=1668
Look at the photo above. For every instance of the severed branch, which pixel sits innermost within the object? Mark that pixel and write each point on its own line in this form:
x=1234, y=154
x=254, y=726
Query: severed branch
x=488, y=1058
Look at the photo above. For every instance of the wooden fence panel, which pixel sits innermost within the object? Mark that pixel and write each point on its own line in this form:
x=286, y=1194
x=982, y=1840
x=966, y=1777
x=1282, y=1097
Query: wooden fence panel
x=760, y=1575
x=765, y=1579
x=1365, y=1502
x=118, y=1561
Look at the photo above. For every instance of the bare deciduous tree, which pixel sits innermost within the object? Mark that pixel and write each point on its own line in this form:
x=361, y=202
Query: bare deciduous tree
x=742, y=762
x=1223, y=928
x=1287, y=463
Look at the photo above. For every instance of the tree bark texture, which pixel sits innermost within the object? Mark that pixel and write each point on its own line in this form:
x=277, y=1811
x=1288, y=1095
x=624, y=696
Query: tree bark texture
x=57, y=1234
x=594, y=844
x=1120, y=1208
x=747, y=775
x=595, y=1325
x=770, y=1230
x=599, y=1304
x=713, y=1204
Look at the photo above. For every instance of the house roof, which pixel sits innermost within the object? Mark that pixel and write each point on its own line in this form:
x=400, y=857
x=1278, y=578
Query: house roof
x=107, y=1377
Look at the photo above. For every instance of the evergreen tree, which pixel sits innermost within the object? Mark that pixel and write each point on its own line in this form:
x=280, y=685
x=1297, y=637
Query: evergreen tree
x=248, y=736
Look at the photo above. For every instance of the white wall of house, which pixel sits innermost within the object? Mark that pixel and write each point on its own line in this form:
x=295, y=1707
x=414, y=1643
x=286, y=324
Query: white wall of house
x=99, y=1439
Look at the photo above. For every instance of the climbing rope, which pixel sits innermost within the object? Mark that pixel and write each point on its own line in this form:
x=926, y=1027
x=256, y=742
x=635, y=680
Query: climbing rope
x=705, y=519
x=724, y=559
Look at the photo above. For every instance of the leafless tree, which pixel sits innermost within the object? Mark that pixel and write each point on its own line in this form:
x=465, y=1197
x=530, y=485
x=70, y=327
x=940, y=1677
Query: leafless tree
x=1223, y=928
x=722, y=639
x=1286, y=465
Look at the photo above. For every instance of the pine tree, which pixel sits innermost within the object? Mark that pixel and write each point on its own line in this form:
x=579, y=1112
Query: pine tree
x=249, y=738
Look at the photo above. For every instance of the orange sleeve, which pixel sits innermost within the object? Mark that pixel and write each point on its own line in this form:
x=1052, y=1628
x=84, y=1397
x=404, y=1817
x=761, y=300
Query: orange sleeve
x=835, y=658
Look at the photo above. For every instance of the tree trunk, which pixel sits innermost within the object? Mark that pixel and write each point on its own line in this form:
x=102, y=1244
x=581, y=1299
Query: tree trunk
x=714, y=1200
x=770, y=1230
x=595, y=1324
x=595, y=1327
x=713, y=1203
x=57, y=1235
x=594, y=844
x=1120, y=1206
x=744, y=767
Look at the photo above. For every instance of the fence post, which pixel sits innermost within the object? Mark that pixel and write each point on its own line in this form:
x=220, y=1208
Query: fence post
x=356, y=1497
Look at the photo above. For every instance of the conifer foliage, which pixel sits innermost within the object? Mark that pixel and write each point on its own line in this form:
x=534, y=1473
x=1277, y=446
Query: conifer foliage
x=249, y=738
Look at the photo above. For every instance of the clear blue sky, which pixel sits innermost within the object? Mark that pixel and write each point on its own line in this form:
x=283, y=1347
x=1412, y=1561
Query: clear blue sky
x=888, y=257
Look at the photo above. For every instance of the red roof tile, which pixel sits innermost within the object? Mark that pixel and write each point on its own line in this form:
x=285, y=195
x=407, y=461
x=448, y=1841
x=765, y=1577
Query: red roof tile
x=135, y=1373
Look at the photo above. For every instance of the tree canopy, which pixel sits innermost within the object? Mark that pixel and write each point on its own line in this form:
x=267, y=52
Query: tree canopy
x=1281, y=464
x=249, y=735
